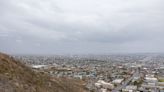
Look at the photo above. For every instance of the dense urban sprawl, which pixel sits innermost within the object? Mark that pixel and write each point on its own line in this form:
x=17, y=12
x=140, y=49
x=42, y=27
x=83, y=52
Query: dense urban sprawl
x=105, y=73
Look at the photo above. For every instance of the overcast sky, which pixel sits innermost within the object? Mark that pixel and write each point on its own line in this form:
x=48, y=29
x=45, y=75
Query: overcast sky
x=81, y=26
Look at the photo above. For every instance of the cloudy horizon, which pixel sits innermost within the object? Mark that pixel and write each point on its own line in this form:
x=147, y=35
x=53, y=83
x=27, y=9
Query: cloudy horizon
x=81, y=26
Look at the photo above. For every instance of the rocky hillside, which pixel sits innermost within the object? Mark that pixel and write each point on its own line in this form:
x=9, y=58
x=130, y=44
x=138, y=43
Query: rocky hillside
x=16, y=77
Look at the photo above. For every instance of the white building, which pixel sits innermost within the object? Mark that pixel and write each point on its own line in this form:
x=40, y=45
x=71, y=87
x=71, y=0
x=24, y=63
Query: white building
x=117, y=81
x=104, y=84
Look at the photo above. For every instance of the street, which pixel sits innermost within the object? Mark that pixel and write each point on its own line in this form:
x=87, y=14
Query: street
x=126, y=82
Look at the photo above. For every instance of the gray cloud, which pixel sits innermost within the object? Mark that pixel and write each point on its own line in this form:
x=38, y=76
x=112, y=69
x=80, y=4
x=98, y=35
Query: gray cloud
x=83, y=26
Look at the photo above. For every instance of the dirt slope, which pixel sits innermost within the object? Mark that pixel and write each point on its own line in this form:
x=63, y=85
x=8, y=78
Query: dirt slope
x=16, y=77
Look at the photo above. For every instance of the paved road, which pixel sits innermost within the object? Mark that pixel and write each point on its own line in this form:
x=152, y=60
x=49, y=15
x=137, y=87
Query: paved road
x=126, y=82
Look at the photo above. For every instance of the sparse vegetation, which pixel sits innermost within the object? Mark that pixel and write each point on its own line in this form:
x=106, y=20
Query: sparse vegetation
x=161, y=80
x=16, y=77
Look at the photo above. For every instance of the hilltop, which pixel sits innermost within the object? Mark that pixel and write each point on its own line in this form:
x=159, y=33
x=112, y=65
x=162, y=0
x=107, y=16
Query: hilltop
x=17, y=77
